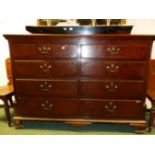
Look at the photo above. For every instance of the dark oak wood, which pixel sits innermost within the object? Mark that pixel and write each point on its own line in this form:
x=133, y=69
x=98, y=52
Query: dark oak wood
x=113, y=69
x=112, y=89
x=112, y=109
x=120, y=50
x=46, y=69
x=34, y=51
x=52, y=88
x=58, y=108
x=81, y=79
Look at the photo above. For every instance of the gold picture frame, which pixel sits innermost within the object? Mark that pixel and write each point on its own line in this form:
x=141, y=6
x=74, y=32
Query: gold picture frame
x=52, y=22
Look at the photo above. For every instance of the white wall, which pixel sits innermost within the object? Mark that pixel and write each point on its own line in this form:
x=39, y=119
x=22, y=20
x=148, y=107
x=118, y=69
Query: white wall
x=144, y=26
x=17, y=26
x=10, y=26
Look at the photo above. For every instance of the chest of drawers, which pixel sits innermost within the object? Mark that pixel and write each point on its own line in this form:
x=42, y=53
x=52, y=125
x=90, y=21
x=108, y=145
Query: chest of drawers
x=80, y=79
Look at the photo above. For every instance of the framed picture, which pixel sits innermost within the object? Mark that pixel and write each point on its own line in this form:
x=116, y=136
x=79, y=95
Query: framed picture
x=47, y=22
x=52, y=22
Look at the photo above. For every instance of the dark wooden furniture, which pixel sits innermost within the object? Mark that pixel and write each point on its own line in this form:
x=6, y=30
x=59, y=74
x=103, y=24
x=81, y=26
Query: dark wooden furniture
x=151, y=92
x=7, y=92
x=80, y=79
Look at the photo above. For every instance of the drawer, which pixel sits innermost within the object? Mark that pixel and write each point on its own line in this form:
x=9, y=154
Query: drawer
x=42, y=107
x=53, y=88
x=112, y=89
x=113, y=69
x=115, y=51
x=112, y=109
x=45, y=69
x=43, y=51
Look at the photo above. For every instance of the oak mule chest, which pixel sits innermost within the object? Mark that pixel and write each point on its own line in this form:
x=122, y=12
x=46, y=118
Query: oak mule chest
x=80, y=79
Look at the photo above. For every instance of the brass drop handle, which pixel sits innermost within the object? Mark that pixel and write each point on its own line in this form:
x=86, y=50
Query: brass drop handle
x=45, y=86
x=110, y=107
x=45, y=67
x=44, y=49
x=112, y=68
x=111, y=87
x=47, y=105
x=113, y=50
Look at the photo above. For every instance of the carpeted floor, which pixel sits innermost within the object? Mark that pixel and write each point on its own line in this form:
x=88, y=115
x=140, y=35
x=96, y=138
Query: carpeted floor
x=52, y=128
